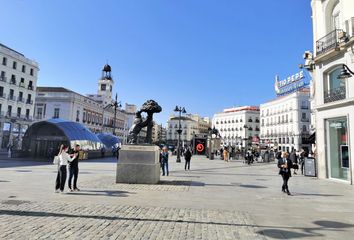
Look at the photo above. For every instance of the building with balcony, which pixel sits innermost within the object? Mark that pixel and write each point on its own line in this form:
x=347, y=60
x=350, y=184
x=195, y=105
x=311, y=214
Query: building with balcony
x=18, y=81
x=333, y=98
x=285, y=121
x=191, y=125
x=238, y=126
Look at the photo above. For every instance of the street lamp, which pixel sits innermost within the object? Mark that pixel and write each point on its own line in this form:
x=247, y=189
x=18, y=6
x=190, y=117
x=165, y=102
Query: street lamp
x=345, y=73
x=115, y=104
x=246, y=139
x=179, y=131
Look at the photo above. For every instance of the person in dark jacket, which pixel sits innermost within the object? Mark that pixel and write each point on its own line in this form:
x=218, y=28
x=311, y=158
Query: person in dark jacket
x=187, y=157
x=285, y=165
x=294, y=159
x=74, y=168
x=164, y=161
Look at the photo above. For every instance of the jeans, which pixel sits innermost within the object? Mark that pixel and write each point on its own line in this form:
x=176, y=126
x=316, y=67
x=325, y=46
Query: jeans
x=187, y=164
x=285, y=182
x=73, y=172
x=164, y=166
x=61, y=178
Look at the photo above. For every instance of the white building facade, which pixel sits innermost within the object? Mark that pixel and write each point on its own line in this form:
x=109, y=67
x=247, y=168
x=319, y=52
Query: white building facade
x=238, y=126
x=333, y=31
x=191, y=125
x=285, y=122
x=18, y=82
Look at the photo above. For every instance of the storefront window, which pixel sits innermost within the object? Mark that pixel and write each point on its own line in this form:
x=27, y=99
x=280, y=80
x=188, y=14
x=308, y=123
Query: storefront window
x=337, y=151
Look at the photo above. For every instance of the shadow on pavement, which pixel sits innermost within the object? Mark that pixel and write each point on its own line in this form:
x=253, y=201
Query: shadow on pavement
x=9, y=163
x=181, y=183
x=318, y=194
x=101, y=193
x=324, y=225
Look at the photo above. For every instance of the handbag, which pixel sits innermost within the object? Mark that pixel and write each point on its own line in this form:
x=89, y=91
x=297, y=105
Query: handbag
x=56, y=160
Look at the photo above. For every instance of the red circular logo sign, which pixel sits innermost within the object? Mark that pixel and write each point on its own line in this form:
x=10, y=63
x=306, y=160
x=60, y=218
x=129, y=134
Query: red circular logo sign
x=200, y=147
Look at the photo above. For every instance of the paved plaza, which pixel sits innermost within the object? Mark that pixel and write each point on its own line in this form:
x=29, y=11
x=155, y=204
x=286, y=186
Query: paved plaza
x=215, y=200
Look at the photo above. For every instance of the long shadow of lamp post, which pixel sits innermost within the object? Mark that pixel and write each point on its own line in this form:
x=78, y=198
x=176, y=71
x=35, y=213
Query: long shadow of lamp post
x=179, y=131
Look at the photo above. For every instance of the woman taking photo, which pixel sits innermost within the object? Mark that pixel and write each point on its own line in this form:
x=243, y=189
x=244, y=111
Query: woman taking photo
x=64, y=159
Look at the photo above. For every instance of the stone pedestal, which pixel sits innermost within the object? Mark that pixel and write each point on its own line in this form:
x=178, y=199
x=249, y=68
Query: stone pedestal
x=138, y=164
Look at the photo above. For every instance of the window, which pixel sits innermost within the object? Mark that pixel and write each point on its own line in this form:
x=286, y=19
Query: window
x=14, y=65
x=77, y=116
x=1, y=91
x=27, y=113
x=56, y=113
x=30, y=86
x=110, y=88
x=335, y=88
x=9, y=111
x=103, y=87
x=23, y=68
x=20, y=96
x=4, y=61
x=31, y=71
x=303, y=116
x=29, y=99
x=39, y=113
x=18, y=112
x=304, y=128
x=3, y=76
x=11, y=96
x=13, y=79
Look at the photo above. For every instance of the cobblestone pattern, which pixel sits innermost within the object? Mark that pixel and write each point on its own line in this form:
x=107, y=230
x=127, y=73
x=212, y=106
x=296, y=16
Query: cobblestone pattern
x=48, y=220
x=166, y=184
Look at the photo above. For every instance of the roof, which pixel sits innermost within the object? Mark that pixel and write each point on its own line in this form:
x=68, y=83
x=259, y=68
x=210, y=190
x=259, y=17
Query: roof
x=52, y=89
x=72, y=130
x=2, y=45
x=108, y=139
x=303, y=90
x=182, y=118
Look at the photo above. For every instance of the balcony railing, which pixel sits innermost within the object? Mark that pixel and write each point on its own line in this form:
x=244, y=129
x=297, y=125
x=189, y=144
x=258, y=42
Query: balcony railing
x=334, y=94
x=20, y=99
x=3, y=79
x=2, y=95
x=11, y=97
x=304, y=107
x=328, y=42
x=305, y=120
x=29, y=101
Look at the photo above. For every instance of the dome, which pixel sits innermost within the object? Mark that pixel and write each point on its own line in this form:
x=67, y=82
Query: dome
x=107, y=68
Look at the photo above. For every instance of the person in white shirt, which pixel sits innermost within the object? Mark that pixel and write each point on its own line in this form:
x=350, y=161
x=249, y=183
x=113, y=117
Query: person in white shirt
x=64, y=159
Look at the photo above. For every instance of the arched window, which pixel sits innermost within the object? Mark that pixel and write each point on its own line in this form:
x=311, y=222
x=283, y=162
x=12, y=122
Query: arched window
x=334, y=88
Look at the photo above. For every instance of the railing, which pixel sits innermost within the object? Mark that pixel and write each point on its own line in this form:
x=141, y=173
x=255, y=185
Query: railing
x=304, y=107
x=11, y=97
x=29, y=101
x=20, y=99
x=335, y=94
x=2, y=95
x=22, y=84
x=30, y=87
x=3, y=79
x=328, y=42
x=305, y=120
x=12, y=81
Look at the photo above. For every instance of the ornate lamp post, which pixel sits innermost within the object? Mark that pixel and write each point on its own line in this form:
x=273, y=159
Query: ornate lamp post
x=345, y=73
x=115, y=104
x=246, y=139
x=180, y=110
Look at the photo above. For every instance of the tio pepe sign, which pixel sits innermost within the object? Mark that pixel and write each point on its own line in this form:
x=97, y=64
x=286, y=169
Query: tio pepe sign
x=290, y=84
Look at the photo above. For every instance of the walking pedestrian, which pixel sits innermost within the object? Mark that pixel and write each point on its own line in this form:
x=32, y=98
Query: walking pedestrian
x=294, y=159
x=9, y=150
x=303, y=155
x=74, y=168
x=164, y=161
x=226, y=154
x=285, y=165
x=64, y=158
x=187, y=157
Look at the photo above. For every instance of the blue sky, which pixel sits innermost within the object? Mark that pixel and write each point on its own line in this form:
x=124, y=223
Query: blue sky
x=203, y=55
